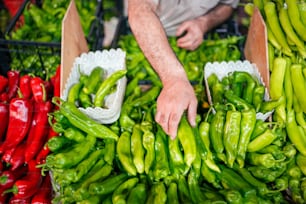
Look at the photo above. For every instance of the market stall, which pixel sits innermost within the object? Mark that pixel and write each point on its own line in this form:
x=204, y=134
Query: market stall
x=85, y=132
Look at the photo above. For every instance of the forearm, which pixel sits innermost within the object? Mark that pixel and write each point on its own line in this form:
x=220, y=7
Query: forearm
x=215, y=17
x=153, y=41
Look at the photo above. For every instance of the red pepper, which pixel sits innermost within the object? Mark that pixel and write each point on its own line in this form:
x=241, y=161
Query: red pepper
x=55, y=80
x=3, y=196
x=38, y=89
x=3, y=83
x=20, y=118
x=9, y=177
x=49, y=89
x=15, y=200
x=4, y=115
x=28, y=185
x=4, y=97
x=44, y=152
x=7, y=155
x=25, y=86
x=39, y=130
x=44, y=194
x=13, y=82
x=18, y=156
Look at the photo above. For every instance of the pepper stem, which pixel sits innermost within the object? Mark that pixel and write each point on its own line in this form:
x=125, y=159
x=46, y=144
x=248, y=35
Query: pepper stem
x=3, y=179
x=13, y=190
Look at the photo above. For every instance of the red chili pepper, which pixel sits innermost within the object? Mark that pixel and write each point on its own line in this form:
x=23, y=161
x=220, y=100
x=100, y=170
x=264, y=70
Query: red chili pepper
x=4, y=115
x=28, y=185
x=9, y=177
x=55, y=80
x=15, y=200
x=44, y=194
x=20, y=118
x=4, y=97
x=49, y=89
x=3, y=196
x=38, y=89
x=44, y=152
x=25, y=86
x=39, y=130
x=18, y=156
x=13, y=82
x=3, y=83
x=7, y=155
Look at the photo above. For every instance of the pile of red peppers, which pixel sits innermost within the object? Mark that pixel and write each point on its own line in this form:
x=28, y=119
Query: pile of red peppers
x=25, y=102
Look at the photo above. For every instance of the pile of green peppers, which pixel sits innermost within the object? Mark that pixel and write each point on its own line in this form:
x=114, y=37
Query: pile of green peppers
x=213, y=48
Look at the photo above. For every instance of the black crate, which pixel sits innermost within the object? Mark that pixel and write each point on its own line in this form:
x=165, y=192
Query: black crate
x=42, y=58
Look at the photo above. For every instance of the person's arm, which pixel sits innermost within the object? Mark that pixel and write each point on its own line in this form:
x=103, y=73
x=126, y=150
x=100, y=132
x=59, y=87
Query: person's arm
x=196, y=28
x=177, y=94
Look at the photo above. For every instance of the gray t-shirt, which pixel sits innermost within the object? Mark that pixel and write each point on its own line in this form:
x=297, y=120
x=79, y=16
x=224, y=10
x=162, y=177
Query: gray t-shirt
x=173, y=12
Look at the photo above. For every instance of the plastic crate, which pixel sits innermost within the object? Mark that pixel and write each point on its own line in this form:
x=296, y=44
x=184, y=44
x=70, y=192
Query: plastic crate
x=42, y=58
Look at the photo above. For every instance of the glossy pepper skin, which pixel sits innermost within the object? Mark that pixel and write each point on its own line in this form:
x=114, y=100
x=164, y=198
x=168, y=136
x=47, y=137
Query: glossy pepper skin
x=3, y=83
x=25, y=86
x=18, y=157
x=44, y=194
x=13, y=82
x=8, y=177
x=28, y=185
x=83, y=122
x=4, y=115
x=250, y=84
x=38, y=89
x=20, y=118
x=39, y=130
x=123, y=190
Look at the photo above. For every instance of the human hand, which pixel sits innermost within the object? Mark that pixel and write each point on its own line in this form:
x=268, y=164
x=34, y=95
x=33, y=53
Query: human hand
x=194, y=34
x=176, y=96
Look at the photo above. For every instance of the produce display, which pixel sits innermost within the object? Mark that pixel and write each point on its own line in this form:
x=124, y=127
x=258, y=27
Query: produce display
x=24, y=107
x=60, y=155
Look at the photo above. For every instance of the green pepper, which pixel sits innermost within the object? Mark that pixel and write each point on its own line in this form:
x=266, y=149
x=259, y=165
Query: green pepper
x=247, y=124
x=258, y=96
x=295, y=134
x=250, y=84
x=183, y=190
x=84, y=99
x=176, y=158
x=94, y=79
x=147, y=97
x=73, y=93
x=137, y=149
x=138, y=194
x=275, y=150
x=57, y=143
x=157, y=194
x=232, y=196
x=106, y=86
x=74, y=134
x=216, y=132
x=108, y=185
x=231, y=134
x=110, y=151
x=148, y=140
x=121, y=193
x=268, y=106
x=268, y=174
x=172, y=195
x=210, y=176
x=161, y=167
x=83, y=122
x=204, y=129
x=91, y=200
x=261, y=141
x=298, y=84
x=277, y=78
x=217, y=91
x=75, y=174
x=267, y=160
x=194, y=188
x=186, y=137
x=240, y=103
x=301, y=162
x=124, y=153
x=65, y=160
x=131, y=85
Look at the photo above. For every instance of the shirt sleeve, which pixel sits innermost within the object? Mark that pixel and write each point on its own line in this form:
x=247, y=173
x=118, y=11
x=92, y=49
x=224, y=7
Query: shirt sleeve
x=233, y=3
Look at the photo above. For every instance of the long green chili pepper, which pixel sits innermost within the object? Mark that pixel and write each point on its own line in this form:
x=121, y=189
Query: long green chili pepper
x=240, y=103
x=94, y=79
x=217, y=91
x=277, y=78
x=204, y=129
x=247, y=124
x=186, y=137
x=161, y=167
x=176, y=157
x=106, y=86
x=148, y=140
x=148, y=96
x=65, y=160
x=267, y=160
x=210, y=176
x=216, y=131
x=301, y=162
x=261, y=141
x=194, y=187
x=121, y=193
x=110, y=151
x=85, y=100
x=138, y=194
x=250, y=84
x=108, y=185
x=74, y=134
x=231, y=134
x=157, y=194
x=277, y=151
x=137, y=149
x=267, y=174
x=183, y=190
x=172, y=195
x=75, y=174
x=298, y=82
x=258, y=96
x=83, y=122
x=57, y=143
x=268, y=106
x=232, y=196
x=296, y=136
x=124, y=153
x=73, y=93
